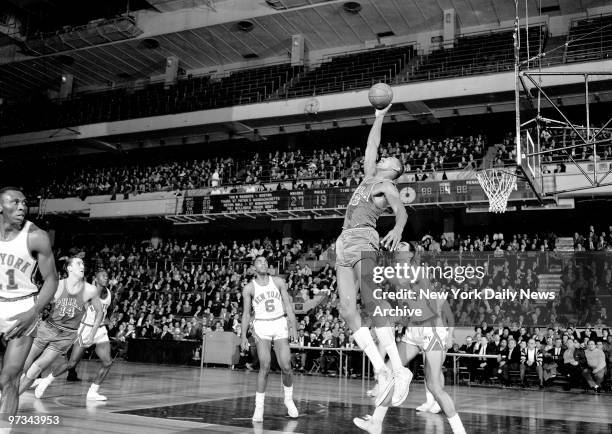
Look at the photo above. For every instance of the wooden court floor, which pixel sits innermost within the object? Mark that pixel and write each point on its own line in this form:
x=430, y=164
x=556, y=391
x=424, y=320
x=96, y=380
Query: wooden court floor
x=151, y=399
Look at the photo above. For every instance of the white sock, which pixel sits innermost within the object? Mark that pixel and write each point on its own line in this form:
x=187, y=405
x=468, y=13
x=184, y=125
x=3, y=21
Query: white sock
x=366, y=343
x=94, y=387
x=259, y=398
x=379, y=414
x=288, y=393
x=430, y=397
x=456, y=425
x=50, y=378
x=386, y=337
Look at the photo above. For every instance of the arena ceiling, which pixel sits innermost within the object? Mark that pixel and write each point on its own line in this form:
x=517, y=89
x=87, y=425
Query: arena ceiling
x=325, y=26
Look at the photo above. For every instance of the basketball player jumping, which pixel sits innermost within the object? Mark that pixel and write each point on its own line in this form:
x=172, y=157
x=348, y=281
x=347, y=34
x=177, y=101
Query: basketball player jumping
x=55, y=335
x=103, y=349
x=373, y=196
x=22, y=247
x=431, y=338
x=274, y=319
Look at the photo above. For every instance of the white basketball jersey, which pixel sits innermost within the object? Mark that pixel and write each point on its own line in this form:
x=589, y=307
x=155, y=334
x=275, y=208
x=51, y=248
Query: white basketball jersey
x=267, y=301
x=90, y=315
x=17, y=266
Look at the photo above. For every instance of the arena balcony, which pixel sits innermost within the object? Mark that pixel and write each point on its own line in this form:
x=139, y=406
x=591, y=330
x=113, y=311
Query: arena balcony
x=484, y=53
x=590, y=39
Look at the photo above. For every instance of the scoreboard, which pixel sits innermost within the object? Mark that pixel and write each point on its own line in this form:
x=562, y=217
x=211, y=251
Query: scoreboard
x=414, y=194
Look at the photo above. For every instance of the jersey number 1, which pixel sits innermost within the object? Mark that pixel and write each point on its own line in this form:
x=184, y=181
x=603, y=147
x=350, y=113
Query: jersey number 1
x=11, y=280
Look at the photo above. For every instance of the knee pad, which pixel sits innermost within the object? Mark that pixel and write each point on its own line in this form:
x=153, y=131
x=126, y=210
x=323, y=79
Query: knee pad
x=34, y=371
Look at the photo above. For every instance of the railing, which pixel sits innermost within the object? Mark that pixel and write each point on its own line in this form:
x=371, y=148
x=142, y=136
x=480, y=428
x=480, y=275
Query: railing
x=168, y=264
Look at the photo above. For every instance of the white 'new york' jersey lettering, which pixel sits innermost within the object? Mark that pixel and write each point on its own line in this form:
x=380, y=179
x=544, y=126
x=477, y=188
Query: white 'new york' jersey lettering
x=17, y=266
x=267, y=300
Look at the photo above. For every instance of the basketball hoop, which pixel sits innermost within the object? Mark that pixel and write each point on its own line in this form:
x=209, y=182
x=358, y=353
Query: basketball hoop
x=497, y=184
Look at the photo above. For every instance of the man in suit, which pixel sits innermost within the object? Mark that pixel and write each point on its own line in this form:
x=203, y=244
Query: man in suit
x=467, y=348
x=328, y=359
x=531, y=360
x=166, y=335
x=510, y=361
x=300, y=356
x=574, y=361
x=553, y=360
x=485, y=366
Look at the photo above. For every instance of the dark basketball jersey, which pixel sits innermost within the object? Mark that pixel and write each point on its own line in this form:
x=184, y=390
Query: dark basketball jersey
x=361, y=210
x=68, y=309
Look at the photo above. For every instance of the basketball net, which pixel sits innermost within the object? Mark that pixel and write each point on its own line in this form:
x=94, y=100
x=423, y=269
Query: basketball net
x=497, y=184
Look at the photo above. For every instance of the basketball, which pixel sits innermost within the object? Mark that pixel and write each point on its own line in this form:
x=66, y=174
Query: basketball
x=380, y=95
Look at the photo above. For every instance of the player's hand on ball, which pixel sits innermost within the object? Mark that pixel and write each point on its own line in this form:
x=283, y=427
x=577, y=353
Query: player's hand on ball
x=392, y=239
x=382, y=112
x=244, y=344
x=23, y=322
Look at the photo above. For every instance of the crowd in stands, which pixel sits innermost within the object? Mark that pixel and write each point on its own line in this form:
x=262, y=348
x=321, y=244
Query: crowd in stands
x=552, y=142
x=573, y=357
x=182, y=289
x=488, y=243
x=341, y=166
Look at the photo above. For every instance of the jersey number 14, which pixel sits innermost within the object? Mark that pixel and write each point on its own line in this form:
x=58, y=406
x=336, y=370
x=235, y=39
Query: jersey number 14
x=11, y=280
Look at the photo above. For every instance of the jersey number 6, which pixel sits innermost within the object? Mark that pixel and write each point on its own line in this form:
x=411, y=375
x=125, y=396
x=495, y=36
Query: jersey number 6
x=270, y=305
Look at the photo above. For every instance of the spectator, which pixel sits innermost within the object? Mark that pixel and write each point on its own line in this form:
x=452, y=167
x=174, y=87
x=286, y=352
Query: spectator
x=510, y=361
x=595, y=371
x=553, y=360
x=531, y=360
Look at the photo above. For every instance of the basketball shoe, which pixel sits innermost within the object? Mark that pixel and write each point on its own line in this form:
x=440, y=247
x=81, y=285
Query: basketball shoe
x=368, y=424
x=93, y=395
x=402, y=377
x=292, y=410
x=386, y=381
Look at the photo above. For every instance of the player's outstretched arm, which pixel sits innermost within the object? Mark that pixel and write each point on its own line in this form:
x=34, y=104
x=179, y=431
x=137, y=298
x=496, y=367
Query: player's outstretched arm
x=40, y=246
x=247, y=294
x=394, y=237
x=282, y=287
x=371, y=152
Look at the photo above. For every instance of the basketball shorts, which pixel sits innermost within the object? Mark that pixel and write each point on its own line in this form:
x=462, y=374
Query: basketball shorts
x=352, y=242
x=427, y=338
x=54, y=338
x=271, y=329
x=9, y=309
x=100, y=337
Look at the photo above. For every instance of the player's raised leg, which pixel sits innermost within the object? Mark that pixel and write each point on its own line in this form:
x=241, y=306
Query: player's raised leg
x=41, y=363
x=283, y=356
x=373, y=424
x=43, y=383
x=33, y=354
x=348, y=284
